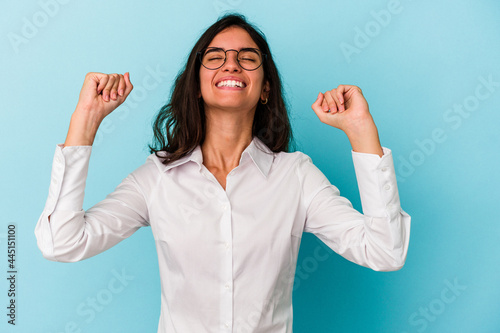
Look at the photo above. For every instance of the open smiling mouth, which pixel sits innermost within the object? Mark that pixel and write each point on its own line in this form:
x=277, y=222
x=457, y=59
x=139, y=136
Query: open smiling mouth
x=231, y=84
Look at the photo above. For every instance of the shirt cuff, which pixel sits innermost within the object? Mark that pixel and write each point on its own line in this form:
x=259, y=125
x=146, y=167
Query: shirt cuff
x=68, y=177
x=377, y=183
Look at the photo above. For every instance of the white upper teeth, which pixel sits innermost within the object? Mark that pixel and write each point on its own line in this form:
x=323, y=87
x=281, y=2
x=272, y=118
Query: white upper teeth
x=230, y=83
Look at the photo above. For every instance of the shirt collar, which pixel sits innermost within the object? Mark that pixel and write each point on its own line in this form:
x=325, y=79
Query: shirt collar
x=256, y=151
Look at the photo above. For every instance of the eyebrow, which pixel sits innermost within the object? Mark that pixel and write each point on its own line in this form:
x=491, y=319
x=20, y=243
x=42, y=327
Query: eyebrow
x=213, y=48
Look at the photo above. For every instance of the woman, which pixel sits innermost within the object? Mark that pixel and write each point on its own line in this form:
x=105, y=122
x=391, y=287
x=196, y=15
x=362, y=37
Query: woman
x=226, y=201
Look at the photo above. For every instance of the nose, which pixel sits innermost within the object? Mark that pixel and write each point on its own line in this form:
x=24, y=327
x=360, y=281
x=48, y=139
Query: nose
x=231, y=63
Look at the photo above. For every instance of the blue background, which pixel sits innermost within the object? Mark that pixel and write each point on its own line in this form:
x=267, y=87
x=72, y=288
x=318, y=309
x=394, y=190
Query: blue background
x=414, y=67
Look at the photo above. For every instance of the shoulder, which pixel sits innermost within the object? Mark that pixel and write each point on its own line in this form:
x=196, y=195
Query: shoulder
x=303, y=167
x=155, y=162
x=300, y=166
x=292, y=159
x=291, y=162
x=148, y=174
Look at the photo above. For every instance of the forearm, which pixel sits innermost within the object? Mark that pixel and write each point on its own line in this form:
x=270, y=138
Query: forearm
x=67, y=233
x=379, y=237
x=364, y=138
x=62, y=221
x=387, y=225
x=83, y=128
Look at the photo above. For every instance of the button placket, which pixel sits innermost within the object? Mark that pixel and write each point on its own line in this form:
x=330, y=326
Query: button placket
x=227, y=263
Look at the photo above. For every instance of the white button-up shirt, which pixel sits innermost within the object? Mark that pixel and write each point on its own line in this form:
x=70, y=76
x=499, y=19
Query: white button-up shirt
x=227, y=258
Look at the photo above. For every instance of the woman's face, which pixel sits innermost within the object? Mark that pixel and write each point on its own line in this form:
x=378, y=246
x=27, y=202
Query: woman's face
x=230, y=98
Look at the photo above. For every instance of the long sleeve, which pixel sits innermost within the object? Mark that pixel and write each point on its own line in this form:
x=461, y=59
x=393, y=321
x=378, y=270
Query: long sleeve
x=378, y=238
x=73, y=234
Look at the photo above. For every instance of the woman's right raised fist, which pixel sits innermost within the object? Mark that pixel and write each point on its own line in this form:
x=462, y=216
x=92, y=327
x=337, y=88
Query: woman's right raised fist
x=102, y=93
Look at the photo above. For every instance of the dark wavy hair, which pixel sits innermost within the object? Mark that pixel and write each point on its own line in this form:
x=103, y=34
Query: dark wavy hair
x=180, y=124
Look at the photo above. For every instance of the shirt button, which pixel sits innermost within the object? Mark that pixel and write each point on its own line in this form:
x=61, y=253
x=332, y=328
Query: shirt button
x=228, y=324
x=387, y=187
x=384, y=169
x=227, y=245
x=228, y=286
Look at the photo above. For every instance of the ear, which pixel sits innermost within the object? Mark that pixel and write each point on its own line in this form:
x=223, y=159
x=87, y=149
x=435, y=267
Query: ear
x=265, y=90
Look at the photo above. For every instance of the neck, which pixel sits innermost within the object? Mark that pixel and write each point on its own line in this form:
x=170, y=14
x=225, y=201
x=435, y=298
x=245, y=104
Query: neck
x=227, y=135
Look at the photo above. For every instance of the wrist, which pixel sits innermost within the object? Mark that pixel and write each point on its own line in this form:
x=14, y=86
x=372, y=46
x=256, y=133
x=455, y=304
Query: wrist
x=364, y=138
x=369, y=147
x=82, y=128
